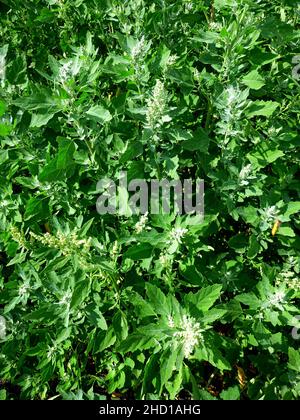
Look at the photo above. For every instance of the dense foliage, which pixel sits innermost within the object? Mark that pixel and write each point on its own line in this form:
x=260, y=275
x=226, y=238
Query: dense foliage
x=153, y=306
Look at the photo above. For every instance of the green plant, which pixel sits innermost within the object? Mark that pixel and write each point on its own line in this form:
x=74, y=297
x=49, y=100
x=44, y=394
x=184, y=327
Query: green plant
x=151, y=306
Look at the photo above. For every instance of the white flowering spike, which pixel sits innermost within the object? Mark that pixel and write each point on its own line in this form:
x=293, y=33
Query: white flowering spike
x=270, y=213
x=245, y=171
x=2, y=68
x=51, y=351
x=276, y=299
x=245, y=175
x=141, y=224
x=138, y=50
x=177, y=234
x=171, y=60
x=164, y=259
x=65, y=72
x=18, y=236
x=190, y=335
x=171, y=323
x=156, y=105
x=67, y=243
x=23, y=289
x=66, y=299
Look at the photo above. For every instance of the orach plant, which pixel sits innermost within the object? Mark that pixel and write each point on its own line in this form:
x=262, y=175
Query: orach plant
x=149, y=306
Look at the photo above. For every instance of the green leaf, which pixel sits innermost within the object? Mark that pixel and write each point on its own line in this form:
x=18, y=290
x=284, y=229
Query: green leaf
x=264, y=154
x=2, y=108
x=139, y=252
x=192, y=275
x=254, y=80
x=249, y=299
x=239, y=242
x=108, y=338
x=37, y=207
x=206, y=297
x=133, y=150
x=292, y=208
x=142, y=306
x=135, y=342
x=200, y=141
x=212, y=315
x=120, y=325
x=294, y=359
x=207, y=37
x=96, y=317
x=213, y=356
x=2, y=394
x=80, y=293
x=261, y=108
x=167, y=365
x=232, y=393
x=254, y=247
x=157, y=299
x=99, y=114
x=39, y=120
x=41, y=100
x=61, y=166
x=5, y=129
x=286, y=231
x=151, y=372
x=16, y=71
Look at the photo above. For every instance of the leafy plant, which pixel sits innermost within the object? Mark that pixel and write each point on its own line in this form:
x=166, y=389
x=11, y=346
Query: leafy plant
x=149, y=306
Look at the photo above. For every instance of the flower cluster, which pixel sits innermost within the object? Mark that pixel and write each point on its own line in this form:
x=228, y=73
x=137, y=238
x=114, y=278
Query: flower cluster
x=165, y=260
x=141, y=224
x=276, y=299
x=138, y=51
x=177, y=234
x=24, y=289
x=289, y=276
x=231, y=105
x=157, y=106
x=245, y=175
x=65, y=72
x=68, y=244
x=268, y=216
x=18, y=237
x=188, y=334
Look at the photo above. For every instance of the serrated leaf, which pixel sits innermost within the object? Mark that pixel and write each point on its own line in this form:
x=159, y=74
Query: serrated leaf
x=249, y=299
x=294, y=359
x=135, y=342
x=59, y=168
x=206, y=297
x=157, y=298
